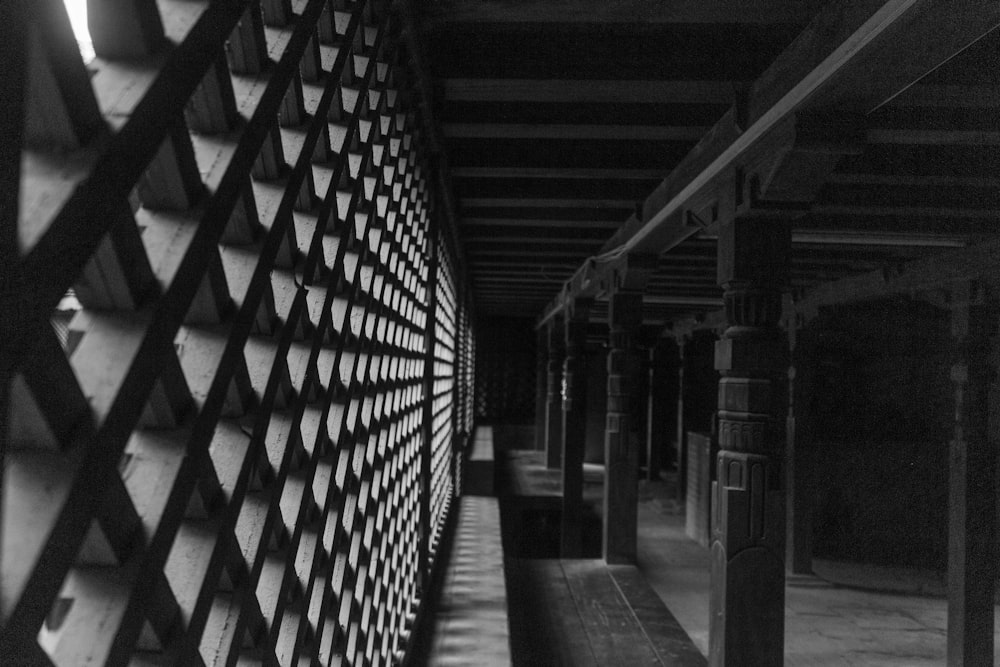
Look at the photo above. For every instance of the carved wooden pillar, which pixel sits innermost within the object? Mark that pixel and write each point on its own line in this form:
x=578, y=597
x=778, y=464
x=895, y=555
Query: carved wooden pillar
x=746, y=625
x=621, y=454
x=971, y=488
x=541, y=386
x=574, y=428
x=681, y=425
x=553, y=406
x=798, y=552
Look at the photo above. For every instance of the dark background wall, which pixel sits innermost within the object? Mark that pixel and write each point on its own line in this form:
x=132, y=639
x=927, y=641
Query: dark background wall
x=882, y=409
x=701, y=382
x=505, y=370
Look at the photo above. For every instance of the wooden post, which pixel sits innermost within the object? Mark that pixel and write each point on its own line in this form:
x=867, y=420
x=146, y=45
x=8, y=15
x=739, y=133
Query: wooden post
x=681, y=456
x=427, y=427
x=654, y=417
x=971, y=488
x=798, y=553
x=541, y=386
x=747, y=607
x=574, y=428
x=621, y=455
x=553, y=406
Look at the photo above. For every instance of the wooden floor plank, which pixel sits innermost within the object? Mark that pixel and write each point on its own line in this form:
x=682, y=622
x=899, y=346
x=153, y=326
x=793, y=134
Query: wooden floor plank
x=615, y=636
x=545, y=626
x=664, y=633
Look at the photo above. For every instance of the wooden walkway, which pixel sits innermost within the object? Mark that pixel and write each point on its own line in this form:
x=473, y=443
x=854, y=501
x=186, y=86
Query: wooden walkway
x=578, y=612
x=584, y=613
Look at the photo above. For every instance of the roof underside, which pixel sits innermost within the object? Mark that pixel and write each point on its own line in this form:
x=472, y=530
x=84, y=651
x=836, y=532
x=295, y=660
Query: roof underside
x=559, y=119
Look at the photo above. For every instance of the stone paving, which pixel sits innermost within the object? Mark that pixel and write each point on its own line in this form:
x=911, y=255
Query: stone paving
x=824, y=624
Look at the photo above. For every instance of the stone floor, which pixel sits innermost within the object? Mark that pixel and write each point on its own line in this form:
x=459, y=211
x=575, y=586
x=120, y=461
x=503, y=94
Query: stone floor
x=824, y=624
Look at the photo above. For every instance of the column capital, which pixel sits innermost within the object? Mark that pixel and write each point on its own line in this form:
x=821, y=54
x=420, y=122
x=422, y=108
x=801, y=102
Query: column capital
x=754, y=251
x=625, y=310
x=578, y=309
x=555, y=335
x=630, y=273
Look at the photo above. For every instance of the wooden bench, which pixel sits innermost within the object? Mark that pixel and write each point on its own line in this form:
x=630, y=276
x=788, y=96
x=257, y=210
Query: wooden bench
x=480, y=477
x=470, y=621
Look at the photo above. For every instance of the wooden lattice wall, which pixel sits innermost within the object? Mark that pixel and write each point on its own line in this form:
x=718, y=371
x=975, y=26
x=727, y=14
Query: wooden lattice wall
x=223, y=281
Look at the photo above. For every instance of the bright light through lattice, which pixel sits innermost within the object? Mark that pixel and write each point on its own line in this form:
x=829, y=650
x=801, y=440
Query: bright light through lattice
x=77, y=10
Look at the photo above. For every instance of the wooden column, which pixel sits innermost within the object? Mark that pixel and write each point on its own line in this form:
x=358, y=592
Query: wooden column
x=798, y=552
x=655, y=420
x=681, y=425
x=553, y=405
x=574, y=428
x=747, y=607
x=971, y=488
x=541, y=386
x=621, y=455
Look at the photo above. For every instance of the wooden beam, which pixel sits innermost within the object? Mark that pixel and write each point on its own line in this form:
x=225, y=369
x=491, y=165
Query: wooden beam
x=550, y=224
x=865, y=238
x=851, y=56
x=574, y=132
x=670, y=300
x=914, y=180
x=446, y=13
x=978, y=262
x=566, y=91
x=972, y=460
x=485, y=202
x=494, y=239
x=520, y=252
x=557, y=172
x=949, y=96
x=903, y=212
x=933, y=137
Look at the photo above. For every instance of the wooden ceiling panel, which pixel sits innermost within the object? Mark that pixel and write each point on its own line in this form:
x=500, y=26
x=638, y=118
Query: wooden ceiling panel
x=448, y=13
x=559, y=119
x=718, y=52
x=557, y=188
x=551, y=153
x=679, y=114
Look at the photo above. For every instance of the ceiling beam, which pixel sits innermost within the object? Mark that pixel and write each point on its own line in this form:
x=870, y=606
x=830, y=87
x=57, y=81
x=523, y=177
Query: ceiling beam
x=526, y=202
x=852, y=56
x=547, y=223
x=949, y=96
x=915, y=180
x=574, y=132
x=582, y=173
x=935, y=272
x=857, y=211
x=496, y=237
x=445, y=13
x=933, y=137
x=568, y=91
